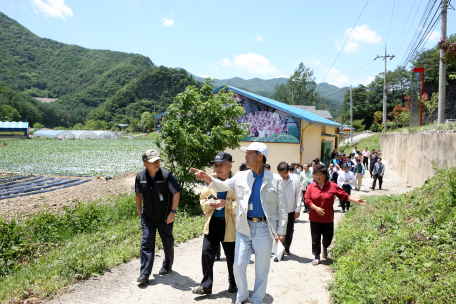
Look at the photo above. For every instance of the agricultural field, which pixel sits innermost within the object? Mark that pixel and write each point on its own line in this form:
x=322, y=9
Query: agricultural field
x=74, y=157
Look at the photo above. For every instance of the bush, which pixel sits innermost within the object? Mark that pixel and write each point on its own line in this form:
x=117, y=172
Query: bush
x=399, y=249
x=59, y=128
x=375, y=127
x=358, y=125
x=390, y=125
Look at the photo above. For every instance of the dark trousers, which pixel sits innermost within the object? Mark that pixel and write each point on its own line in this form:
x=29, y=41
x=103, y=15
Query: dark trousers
x=365, y=161
x=380, y=181
x=211, y=243
x=371, y=168
x=317, y=230
x=148, y=244
x=346, y=204
x=306, y=208
x=290, y=230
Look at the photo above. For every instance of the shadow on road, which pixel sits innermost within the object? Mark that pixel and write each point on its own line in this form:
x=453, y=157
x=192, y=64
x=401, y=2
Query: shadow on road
x=175, y=280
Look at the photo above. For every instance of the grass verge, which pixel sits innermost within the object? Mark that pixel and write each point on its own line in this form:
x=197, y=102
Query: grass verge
x=399, y=249
x=371, y=142
x=49, y=251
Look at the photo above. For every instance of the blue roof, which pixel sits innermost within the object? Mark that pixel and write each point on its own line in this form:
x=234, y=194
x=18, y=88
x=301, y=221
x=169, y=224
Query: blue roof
x=14, y=124
x=289, y=109
x=159, y=115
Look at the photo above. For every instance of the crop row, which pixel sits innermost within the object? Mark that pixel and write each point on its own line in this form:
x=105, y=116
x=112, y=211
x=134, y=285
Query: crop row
x=74, y=158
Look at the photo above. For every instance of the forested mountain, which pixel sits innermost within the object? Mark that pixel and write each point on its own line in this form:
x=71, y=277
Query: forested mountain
x=154, y=88
x=330, y=91
x=45, y=68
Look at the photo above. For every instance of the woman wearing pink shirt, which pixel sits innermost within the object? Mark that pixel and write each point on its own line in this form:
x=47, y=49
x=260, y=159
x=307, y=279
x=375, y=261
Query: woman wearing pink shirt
x=366, y=155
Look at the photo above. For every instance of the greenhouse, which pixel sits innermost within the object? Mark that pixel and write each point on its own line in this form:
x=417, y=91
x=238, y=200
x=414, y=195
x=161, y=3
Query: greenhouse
x=56, y=134
x=81, y=134
x=105, y=134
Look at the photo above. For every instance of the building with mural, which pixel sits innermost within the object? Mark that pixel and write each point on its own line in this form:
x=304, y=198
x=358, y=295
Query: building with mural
x=292, y=134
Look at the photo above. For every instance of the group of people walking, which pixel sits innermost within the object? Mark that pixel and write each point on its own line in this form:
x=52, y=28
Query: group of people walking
x=245, y=212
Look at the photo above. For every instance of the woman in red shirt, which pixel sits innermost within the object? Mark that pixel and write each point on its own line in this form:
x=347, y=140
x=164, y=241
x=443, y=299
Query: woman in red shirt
x=320, y=198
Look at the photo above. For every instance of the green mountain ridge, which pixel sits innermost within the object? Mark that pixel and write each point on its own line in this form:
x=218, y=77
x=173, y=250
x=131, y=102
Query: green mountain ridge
x=268, y=85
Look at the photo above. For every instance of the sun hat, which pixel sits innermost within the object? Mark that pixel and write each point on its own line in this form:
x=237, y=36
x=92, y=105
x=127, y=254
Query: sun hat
x=256, y=146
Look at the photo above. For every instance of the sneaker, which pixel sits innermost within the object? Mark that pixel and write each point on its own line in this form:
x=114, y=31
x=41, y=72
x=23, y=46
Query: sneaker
x=202, y=290
x=143, y=279
x=163, y=270
x=232, y=289
x=342, y=211
x=287, y=252
x=315, y=262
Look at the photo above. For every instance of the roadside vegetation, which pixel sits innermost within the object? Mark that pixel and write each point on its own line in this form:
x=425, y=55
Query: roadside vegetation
x=399, y=249
x=46, y=252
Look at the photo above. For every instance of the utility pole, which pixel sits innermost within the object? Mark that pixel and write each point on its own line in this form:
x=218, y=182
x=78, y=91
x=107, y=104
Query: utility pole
x=384, y=89
x=351, y=115
x=442, y=70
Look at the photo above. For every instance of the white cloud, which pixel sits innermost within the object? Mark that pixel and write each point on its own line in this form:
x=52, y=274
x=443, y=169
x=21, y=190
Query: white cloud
x=133, y=2
x=10, y=6
x=360, y=35
x=216, y=68
x=312, y=62
x=23, y=7
x=168, y=22
x=335, y=77
x=252, y=63
x=259, y=38
x=434, y=36
x=204, y=76
x=53, y=8
x=225, y=62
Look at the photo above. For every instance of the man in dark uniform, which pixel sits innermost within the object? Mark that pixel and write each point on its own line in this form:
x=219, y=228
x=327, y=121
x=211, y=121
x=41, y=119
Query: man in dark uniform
x=373, y=161
x=157, y=189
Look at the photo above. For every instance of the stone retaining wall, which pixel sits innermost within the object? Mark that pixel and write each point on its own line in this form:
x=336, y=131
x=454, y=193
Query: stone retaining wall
x=413, y=155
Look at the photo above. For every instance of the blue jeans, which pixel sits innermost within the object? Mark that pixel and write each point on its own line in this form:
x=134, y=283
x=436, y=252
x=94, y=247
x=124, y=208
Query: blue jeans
x=259, y=240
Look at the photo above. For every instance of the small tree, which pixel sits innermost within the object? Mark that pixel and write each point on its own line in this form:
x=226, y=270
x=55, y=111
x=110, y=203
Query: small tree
x=378, y=117
x=37, y=126
x=198, y=125
x=78, y=126
x=300, y=88
x=431, y=104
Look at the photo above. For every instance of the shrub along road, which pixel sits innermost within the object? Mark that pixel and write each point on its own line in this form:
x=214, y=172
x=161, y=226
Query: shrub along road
x=293, y=280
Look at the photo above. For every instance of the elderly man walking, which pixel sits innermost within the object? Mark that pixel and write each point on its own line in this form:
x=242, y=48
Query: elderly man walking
x=305, y=177
x=220, y=226
x=292, y=189
x=261, y=217
x=379, y=170
x=158, y=192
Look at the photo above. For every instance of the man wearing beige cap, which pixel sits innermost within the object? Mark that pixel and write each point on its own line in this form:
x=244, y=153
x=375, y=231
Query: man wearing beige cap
x=261, y=217
x=158, y=191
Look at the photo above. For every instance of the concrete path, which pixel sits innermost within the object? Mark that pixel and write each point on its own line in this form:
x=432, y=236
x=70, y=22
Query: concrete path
x=294, y=280
x=356, y=138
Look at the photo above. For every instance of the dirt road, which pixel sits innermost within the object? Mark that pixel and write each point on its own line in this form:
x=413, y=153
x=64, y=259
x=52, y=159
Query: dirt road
x=294, y=280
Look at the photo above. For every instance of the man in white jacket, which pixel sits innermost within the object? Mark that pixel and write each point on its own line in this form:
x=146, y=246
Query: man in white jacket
x=292, y=189
x=346, y=181
x=261, y=217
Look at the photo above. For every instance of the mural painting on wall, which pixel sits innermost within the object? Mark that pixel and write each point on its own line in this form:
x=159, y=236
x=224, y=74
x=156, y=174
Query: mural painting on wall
x=268, y=124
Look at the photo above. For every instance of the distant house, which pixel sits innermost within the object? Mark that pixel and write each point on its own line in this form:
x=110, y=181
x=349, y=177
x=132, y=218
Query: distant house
x=311, y=109
x=292, y=133
x=13, y=129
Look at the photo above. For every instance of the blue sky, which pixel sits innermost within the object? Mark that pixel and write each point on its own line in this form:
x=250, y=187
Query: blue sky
x=224, y=39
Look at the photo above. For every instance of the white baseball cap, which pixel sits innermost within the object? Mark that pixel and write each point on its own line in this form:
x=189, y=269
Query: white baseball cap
x=256, y=146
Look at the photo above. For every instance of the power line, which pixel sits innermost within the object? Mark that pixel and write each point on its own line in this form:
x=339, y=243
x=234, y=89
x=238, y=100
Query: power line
x=423, y=37
x=420, y=34
x=405, y=25
x=344, y=42
x=391, y=19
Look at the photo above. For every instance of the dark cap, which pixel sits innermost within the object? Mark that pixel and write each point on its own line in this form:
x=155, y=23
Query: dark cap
x=222, y=157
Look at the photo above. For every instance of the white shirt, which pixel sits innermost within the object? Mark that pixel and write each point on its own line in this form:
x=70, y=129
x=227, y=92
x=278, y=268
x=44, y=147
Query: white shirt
x=292, y=189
